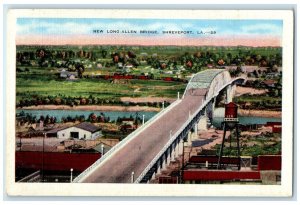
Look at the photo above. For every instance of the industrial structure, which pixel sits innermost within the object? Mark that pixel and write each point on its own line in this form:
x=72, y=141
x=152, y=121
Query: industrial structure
x=231, y=123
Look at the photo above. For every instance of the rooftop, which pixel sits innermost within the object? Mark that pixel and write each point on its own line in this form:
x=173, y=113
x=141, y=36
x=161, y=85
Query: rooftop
x=88, y=127
x=84, y=125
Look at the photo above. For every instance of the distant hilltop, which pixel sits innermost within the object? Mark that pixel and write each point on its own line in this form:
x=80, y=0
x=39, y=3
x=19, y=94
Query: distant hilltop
x=186, y=47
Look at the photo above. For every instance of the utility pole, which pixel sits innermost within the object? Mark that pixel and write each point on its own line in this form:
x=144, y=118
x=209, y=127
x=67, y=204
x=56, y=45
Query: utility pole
x=182, y=166
x=132, y=177
x=43, y=157
x=102, y=149
x=143, y=119
x=71, y=177
x=20, y=143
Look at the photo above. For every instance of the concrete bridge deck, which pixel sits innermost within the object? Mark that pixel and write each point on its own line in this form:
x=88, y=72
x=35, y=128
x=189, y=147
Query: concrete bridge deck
x=139, y=152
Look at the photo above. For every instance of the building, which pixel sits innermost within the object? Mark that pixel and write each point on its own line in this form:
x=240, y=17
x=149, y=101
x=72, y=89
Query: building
x=272, y=75
x=66, y=74
x=249, y=68
x=84, y=130
x=102, y=148
x=51, y=166
x=269, y=83
x=127, y=124
x=276, y=126
x=266, y=169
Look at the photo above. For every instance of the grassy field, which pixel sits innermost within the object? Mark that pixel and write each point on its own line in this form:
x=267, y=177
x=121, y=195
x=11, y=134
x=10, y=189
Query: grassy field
x=37, y=84
x=264, y=144
x=256, y=98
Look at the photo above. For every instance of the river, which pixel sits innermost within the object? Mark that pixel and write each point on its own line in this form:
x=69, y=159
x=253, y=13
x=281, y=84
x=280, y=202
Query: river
x=114, y=115
x=244, y=120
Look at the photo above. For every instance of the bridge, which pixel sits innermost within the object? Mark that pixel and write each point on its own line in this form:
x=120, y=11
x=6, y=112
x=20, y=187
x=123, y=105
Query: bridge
x=149, y=149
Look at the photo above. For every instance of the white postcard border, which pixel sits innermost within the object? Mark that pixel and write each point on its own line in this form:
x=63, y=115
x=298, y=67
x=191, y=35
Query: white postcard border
x=52, y=189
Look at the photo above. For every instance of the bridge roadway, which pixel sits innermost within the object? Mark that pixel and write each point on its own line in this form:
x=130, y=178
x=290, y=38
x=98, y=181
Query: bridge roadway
x=139, y=152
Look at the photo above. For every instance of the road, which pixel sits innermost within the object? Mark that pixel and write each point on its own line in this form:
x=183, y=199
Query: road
x=139, y=152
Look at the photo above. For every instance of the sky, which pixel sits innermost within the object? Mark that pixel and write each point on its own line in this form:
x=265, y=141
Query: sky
x=81, y=31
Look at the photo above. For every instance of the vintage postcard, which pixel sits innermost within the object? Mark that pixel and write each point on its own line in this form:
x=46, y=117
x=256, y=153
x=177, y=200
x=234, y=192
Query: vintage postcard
x=149, y=103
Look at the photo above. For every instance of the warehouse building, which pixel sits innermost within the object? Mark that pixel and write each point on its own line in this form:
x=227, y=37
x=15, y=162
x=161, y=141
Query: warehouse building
x=84, y=130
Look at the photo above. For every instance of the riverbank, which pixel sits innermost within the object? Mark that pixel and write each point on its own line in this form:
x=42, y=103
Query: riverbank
x=250, y=91
x=259, y=113
x=94, y=108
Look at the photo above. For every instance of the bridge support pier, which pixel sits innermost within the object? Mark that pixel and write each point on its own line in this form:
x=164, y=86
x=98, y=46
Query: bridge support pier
x=164, y=162
x=176, y=149
x=189, y=138
x=173, y=152
x=153, y=175
x=158, y=171
x=168, y=160
x=230, y=91
x=180, y=147
x=202, y=124
x=196, y=128
x=210, y=109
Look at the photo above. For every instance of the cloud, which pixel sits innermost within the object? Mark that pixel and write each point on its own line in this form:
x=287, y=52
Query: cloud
x=46, y=27
x=261, y=29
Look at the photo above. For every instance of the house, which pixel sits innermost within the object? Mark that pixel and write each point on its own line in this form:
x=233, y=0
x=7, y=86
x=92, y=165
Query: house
x=67, y=74
x=269, y=83
x=248, y=68
x=120, y=65
x=276, y=126
x=129, y=66
x=272, y=75
x=102, y=147
x=230, y=67
x=72, y=77
x=127, y=124
x=127, y=121
x=144, y=54
x=99, y=65
x=210, y=65
x=84, y=130
x=64, y=73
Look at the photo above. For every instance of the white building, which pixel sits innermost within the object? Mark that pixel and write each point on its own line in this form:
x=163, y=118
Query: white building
x=84, y=130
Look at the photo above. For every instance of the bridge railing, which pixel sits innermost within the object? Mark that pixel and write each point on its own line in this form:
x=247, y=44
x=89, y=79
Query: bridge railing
x=168, y=144
x=188, y=85
x=164, y=149
x=121, y=144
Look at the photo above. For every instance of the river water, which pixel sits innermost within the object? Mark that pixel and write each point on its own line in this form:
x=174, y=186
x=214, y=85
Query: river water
x=244, y=120
x=114, y=115
x=217, y=121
